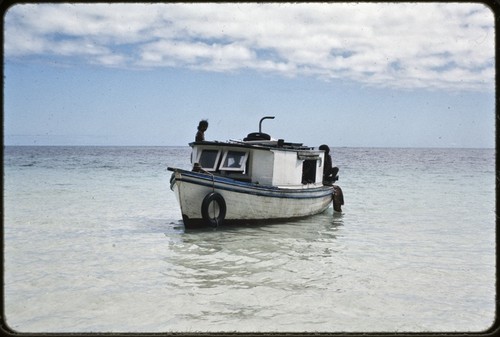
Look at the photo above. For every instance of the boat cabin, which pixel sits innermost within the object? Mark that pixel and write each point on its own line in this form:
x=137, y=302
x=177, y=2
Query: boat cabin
x=264, y=162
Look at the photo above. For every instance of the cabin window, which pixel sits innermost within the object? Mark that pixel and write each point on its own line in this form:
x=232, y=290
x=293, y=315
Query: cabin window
x=234, y=161
x=209, y=159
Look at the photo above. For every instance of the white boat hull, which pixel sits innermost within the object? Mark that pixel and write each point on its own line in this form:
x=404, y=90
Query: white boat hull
x=246, y=201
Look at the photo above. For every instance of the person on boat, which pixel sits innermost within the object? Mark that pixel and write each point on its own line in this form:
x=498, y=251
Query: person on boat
x=202, y=127
x=329, y=172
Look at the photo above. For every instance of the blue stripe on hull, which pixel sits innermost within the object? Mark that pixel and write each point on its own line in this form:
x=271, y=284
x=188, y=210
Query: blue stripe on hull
x=250, y=188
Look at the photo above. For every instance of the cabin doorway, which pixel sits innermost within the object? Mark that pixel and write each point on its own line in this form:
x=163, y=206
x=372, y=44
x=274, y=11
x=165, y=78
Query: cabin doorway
x=309, y=172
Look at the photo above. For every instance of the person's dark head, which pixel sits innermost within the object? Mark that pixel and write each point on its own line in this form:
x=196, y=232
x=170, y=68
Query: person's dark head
x=325, y=148
x=203, y=125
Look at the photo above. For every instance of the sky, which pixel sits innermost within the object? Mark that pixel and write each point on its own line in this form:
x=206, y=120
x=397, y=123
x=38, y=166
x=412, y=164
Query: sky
x=342, y=74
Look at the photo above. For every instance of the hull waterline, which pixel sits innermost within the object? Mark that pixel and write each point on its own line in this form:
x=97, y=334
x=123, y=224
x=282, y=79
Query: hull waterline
x=245, y=202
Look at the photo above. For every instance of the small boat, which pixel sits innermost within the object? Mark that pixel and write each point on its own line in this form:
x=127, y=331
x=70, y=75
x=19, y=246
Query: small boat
x=254, y=179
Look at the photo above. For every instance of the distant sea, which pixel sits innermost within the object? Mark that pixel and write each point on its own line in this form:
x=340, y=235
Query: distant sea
x=94, y=242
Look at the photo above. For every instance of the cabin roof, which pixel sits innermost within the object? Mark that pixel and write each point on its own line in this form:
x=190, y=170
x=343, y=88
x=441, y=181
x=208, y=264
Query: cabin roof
x=258, y=144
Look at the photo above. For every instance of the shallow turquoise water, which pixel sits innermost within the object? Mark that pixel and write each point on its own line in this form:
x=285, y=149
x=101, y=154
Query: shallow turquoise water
x=93, y=241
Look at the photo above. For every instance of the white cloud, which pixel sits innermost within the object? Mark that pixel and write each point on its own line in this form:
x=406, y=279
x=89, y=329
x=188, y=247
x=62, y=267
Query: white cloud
x=444, y=46
x=216, y=57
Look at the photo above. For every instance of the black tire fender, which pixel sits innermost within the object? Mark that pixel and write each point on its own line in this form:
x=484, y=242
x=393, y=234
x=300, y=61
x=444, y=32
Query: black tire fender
x=219, y=199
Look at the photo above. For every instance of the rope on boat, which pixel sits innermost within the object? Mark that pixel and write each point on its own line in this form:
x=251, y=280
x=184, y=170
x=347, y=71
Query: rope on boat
x=200, y=169
x=213, y=191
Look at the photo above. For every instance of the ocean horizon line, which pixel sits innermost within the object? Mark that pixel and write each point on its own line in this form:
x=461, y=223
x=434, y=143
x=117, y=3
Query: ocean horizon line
x=187, y=146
